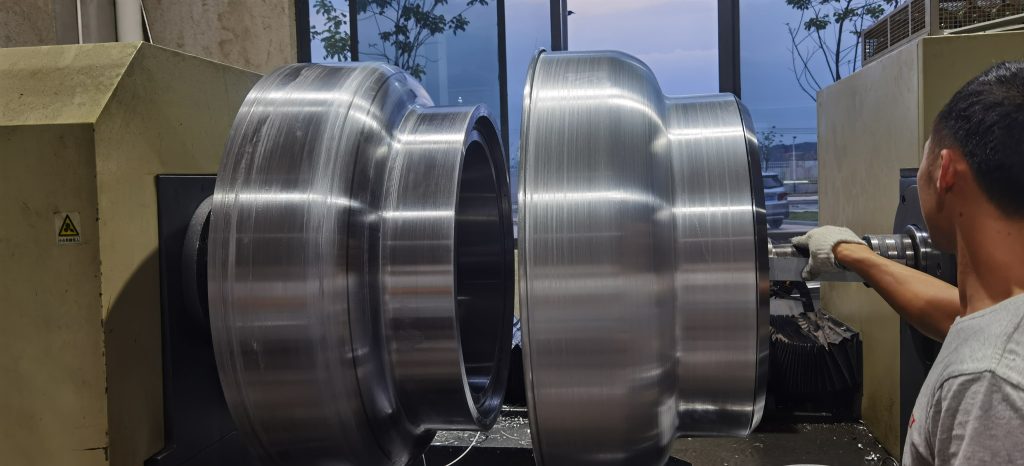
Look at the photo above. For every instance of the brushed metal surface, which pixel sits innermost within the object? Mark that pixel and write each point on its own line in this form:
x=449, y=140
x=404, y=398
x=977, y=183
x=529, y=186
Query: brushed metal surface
x=643, y=262
x=721, y=278
x=360, y=267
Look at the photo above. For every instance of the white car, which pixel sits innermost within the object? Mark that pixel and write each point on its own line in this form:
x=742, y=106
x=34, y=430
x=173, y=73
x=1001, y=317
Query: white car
x=776, y=199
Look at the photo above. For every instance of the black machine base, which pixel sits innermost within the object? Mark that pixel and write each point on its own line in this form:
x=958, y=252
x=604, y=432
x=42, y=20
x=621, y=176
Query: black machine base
x=198, y=429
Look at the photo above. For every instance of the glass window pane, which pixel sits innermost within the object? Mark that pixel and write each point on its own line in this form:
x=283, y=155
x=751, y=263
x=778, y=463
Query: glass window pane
x=450, y=47
x=458, y=65
x=772, y=181
x=527, y=29
x=784, y=114
x=329, y=31
x=783, y=64
x=678, y=39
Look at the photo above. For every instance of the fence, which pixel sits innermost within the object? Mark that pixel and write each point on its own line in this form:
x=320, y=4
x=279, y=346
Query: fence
x=793, y=171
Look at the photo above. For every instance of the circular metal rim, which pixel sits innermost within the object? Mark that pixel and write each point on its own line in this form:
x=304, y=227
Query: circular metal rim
x=657, y=422
x=481, y=407
x=488, y=408
x=249, y=411
x=524, y=302
x=193, y=265
x=363, y=128
x=759, y=266
x=761, y=245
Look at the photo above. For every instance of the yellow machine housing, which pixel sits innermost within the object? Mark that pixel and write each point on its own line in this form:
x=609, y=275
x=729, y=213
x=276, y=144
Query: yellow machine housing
x=870, y=125
x=83, y=131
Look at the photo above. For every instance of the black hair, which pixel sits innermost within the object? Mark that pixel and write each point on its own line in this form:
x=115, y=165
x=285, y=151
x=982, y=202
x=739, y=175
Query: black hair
x=985, y=120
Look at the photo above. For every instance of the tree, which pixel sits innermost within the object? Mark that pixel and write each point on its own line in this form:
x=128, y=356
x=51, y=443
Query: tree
x=404, y=26
x=820, y=43
x=335, y=37
x=765, y=140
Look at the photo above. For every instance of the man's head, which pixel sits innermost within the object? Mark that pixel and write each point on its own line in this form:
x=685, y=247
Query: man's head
x=975, y=153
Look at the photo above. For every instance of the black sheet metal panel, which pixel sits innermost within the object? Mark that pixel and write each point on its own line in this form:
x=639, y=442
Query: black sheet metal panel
x=816, y=367
x=643, y=262
x=198, y=429
x=360, y=267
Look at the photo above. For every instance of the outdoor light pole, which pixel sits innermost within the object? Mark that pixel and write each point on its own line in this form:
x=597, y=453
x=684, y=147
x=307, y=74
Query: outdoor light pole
x=792, y=152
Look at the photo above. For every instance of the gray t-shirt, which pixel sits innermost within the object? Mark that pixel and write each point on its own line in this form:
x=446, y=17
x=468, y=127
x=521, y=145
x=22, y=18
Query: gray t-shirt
x=971, y=406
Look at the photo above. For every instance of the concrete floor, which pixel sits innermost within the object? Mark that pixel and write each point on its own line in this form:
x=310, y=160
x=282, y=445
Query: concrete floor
x=835, y=444
x=778, y=442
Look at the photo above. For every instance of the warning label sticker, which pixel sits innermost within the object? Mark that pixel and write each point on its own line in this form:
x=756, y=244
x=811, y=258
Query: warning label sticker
x=67, y=227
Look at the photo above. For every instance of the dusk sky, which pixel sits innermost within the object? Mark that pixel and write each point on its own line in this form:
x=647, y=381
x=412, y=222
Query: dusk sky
x=677, y=38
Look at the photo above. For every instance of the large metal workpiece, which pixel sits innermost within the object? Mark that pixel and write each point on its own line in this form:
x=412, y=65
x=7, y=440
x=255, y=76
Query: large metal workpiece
x=360, y=265
x=643, y=263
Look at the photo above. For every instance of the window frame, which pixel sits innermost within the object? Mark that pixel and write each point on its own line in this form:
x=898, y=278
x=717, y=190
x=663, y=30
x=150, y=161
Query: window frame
x=729, y=47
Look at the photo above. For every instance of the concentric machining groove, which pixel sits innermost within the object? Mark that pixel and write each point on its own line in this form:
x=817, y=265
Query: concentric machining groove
x=360, y=267
x=643, y=263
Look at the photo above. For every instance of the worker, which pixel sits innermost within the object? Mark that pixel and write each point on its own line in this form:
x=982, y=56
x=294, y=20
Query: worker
x=971, y=183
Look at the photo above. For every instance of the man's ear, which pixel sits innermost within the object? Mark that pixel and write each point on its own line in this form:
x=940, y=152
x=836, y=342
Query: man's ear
x=948, y=166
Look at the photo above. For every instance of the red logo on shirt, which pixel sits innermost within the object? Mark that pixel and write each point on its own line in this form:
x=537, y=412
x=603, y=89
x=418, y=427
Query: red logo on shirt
x=912, y=421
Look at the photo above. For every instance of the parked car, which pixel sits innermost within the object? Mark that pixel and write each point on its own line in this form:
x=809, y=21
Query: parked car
x=776, y=199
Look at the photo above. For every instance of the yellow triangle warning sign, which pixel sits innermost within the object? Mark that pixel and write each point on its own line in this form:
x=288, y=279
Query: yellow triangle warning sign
x=67, y=228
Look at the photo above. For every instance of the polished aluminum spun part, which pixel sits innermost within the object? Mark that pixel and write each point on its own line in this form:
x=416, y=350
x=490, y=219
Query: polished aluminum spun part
x=643, y=263
x=360, y=267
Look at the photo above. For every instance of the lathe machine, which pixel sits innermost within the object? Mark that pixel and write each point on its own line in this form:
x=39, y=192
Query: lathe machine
x=351, y=270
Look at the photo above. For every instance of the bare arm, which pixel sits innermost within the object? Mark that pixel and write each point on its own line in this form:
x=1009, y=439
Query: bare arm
x=927, y=303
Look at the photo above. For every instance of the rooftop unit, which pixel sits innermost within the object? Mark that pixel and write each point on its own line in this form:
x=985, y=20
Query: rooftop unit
x=917, y=18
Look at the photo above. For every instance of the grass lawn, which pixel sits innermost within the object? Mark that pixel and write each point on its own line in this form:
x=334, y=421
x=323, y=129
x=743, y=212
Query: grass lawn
x=811, y=216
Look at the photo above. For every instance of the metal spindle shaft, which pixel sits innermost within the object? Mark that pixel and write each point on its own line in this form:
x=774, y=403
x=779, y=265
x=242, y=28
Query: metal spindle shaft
x=786, y=262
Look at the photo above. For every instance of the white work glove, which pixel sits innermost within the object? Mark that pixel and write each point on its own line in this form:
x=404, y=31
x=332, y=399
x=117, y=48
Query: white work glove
x=819, y=243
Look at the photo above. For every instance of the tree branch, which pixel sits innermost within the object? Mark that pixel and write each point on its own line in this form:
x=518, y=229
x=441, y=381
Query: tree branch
x=839, y=37
x=819, y=44
x=794, y=54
